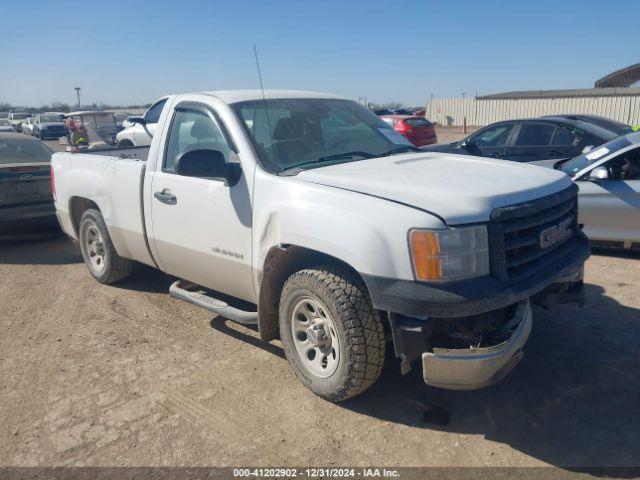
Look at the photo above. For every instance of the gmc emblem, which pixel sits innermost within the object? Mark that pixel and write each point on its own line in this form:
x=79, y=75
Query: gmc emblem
x=557, y=233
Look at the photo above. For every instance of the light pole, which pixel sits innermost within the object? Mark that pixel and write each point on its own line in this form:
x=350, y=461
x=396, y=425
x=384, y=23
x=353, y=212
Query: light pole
x=77, y=89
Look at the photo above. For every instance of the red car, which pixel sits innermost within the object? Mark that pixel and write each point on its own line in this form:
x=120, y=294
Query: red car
x=418, y=130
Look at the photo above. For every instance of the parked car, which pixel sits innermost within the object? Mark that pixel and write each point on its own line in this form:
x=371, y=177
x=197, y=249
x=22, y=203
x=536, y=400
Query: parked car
x=418, y=130
x=27, y=125
x=50, y=125
x=606, y=123
x=25, y=191
x=143, y=128
x=532, y=139
x=310, y=208
x=121, y=120
x=5, y=125
x=16, y=119
x=402, y=111
x=609, y=196
x=383, y=111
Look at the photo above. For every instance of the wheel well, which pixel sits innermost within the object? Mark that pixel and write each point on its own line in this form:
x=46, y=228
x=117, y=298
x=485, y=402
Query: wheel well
x=280, y=263
x=125, y=142
x=77, y=206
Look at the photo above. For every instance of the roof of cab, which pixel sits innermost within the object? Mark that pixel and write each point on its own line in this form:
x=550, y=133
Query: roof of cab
x=235, y=96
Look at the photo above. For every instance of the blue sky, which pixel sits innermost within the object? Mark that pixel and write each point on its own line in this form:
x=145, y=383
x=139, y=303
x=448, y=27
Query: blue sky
x=135, y=51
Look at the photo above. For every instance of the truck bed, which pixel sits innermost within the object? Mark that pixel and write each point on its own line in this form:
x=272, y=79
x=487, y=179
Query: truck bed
x=113, y=180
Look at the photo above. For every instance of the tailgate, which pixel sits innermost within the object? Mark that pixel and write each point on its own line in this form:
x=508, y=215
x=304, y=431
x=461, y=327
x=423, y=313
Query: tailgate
x=25, y=183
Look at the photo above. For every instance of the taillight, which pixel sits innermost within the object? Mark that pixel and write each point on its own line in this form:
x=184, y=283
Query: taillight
x=403, y=127
x=53, y=184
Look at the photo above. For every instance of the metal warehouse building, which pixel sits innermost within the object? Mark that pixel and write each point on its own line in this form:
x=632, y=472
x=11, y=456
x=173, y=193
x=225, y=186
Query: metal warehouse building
x=613, y=97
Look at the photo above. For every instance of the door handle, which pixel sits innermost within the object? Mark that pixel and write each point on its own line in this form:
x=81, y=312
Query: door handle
x=495, y=155
x=166, y=197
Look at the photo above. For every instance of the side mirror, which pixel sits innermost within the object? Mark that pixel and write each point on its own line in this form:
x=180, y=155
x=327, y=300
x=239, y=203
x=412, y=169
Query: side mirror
x=470, y=147
x=208, y=163
x=139, y=120
x=599, y=173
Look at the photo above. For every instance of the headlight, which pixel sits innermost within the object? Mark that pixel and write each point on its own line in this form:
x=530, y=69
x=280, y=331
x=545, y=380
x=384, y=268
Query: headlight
x=450, y=254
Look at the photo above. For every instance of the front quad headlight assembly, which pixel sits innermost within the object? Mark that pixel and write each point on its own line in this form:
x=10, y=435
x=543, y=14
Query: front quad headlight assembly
x=449, y=254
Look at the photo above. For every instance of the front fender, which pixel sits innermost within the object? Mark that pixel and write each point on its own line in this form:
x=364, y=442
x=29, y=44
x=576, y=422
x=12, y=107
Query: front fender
x=367, y=233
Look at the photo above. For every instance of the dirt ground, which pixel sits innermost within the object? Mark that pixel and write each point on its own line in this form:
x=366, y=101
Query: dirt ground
x=125, y=375
x=94, y=375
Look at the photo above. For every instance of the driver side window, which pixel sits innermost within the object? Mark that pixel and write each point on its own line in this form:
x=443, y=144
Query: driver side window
x=193, y=130
x=625, y=166
x=493, y=137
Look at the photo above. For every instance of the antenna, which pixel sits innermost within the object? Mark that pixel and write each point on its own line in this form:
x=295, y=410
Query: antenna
x=264, y=100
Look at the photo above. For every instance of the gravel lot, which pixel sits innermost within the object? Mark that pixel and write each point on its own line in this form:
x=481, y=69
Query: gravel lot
x=125, y=375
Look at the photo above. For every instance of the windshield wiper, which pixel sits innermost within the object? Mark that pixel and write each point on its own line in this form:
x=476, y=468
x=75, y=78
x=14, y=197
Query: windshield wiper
x=293, y=170
x=403, y=149
x=338, y=156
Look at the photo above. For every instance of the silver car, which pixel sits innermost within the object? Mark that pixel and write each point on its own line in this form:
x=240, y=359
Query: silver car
x=609, y=198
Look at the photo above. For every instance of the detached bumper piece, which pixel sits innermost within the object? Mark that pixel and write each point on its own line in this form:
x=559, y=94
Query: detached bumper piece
x=472, y=368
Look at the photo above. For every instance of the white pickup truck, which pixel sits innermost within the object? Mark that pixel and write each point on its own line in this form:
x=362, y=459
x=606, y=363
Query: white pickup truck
x=322, y=226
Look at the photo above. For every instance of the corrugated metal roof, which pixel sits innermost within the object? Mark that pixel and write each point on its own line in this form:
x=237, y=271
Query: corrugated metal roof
x=625, y=77
x=579, y=92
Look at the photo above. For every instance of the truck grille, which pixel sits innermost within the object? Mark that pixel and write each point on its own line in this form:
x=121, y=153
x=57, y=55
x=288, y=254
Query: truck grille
x=528, y=237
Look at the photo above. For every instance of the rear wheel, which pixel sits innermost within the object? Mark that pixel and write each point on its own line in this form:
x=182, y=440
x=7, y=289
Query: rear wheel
x=98, y=252
x=332, y=336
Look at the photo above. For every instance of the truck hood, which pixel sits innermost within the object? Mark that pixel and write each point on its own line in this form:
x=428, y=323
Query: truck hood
x=457, y=188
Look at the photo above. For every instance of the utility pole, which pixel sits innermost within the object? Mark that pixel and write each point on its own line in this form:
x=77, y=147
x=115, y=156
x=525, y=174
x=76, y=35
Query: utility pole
x=77, y=89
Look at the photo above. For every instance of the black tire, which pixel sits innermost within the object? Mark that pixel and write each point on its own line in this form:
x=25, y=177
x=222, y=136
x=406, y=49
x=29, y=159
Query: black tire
x=40, y=136
x=113, y=267
x=125, y=143
x=359, y=331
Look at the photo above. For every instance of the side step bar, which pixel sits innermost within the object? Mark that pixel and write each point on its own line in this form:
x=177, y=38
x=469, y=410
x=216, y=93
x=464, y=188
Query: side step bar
x=179, y=290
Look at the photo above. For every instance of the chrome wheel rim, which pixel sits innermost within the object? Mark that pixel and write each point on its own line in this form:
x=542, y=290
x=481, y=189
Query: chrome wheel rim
x=95, y=248
x=315, y=337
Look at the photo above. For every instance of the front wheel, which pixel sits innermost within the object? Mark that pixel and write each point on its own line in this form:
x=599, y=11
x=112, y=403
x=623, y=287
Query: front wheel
x=332, y=336
x=98, y=251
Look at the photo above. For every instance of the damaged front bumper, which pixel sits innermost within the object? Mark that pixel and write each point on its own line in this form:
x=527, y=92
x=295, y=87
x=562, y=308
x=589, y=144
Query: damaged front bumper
x=472, y=368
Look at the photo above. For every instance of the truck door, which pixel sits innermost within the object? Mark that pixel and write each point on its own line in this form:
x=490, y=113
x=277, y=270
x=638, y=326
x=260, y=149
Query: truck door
x=610, y=208
x=201, y=226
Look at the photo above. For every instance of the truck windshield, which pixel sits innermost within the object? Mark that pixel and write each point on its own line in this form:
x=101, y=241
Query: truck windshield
x=303, y=132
